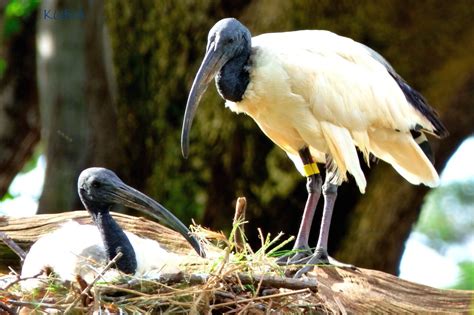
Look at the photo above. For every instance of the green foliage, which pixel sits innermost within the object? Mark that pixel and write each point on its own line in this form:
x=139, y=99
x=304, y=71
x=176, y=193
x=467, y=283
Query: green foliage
x=15, y=12
x=466, y=277
x=447, y=220
x=448, y=214
x=32, y=163
x=7, y=196
x=3, y=67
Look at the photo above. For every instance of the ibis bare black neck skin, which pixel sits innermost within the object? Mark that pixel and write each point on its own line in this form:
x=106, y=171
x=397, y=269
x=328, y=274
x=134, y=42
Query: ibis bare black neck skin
x=232, y=80
x=115, y=240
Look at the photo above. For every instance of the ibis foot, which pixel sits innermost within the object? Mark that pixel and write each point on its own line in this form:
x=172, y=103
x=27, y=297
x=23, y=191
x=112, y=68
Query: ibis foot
x=321, y=257
x=301, y=256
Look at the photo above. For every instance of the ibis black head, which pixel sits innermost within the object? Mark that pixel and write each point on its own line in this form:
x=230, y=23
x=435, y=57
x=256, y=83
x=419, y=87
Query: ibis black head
x=100, y=189
x=228, y=46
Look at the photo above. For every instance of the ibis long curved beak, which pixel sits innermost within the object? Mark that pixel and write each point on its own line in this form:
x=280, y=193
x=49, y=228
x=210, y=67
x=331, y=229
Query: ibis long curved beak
x=130, y=197
x=210, y=66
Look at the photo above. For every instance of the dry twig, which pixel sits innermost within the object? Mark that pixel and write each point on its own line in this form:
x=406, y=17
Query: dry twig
x=239, y=218
x=18, y=279
x=260, y=298
x=12, y=245
x=39, y=305
x=85, y=292
x=6, y=309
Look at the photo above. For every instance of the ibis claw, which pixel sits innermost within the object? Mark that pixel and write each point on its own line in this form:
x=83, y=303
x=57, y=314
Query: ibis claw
x=321, y=257
x=303, y=271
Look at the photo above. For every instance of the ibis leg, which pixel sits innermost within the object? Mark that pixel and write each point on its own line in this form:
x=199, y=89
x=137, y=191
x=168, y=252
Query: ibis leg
x=320, y=255
x=313, y=185
x=330, y=195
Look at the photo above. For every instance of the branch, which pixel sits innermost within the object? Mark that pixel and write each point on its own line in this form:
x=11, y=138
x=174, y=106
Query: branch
x=244, y=278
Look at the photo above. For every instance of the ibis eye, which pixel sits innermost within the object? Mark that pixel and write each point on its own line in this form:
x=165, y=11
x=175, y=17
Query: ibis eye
x=96, y=184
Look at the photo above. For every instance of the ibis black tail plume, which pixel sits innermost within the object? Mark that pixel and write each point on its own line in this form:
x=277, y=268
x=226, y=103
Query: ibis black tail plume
x=419, y=102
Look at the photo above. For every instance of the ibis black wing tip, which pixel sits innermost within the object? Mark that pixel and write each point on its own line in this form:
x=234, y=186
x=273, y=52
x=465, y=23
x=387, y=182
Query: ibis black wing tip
x=441, y=130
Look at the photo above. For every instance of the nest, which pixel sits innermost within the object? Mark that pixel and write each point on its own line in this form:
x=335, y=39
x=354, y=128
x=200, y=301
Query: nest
x=234, y=279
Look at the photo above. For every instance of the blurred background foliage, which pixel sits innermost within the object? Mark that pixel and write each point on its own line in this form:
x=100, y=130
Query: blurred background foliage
x=447, y=223
x=14, y=14
x=113, y=89
x=448, y=217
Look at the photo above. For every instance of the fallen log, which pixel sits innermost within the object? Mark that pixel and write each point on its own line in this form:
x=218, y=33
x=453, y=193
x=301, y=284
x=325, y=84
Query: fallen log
x=338, y=290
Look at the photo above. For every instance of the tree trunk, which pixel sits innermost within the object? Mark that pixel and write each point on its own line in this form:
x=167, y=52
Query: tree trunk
x=77, y=99
x=19, y=116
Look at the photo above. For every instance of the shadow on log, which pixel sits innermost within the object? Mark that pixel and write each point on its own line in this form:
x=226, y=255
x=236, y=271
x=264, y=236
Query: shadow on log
x=338, y=290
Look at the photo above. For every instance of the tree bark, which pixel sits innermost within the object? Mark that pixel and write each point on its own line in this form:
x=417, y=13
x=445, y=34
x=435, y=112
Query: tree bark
x=337, y=290
x=77, y=100
x=19, y=114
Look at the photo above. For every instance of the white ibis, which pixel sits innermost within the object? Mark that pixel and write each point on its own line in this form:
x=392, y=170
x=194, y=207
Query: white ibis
x=74, y=249
x=320, y=97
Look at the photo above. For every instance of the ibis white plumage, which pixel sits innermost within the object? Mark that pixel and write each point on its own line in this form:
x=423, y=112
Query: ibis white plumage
x=76, y=249
x=320, y=97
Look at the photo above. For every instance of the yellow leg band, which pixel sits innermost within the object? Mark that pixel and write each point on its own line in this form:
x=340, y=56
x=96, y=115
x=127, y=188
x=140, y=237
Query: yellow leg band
x=310, y=169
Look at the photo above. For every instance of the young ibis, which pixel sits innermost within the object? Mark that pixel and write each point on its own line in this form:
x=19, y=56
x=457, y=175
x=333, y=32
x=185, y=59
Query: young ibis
x=320, y=97
x=74, y=248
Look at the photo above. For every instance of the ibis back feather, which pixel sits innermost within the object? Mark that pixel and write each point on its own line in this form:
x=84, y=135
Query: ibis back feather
x=77, y=249
x=328, y=92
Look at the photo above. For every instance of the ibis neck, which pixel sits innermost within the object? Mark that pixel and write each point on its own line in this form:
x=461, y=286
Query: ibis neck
x=233, y=79
x=115, y=241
